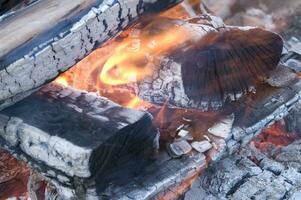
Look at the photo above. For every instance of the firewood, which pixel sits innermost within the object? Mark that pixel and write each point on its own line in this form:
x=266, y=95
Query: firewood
x=74, y=133
x=43, y=40
x=214, y=65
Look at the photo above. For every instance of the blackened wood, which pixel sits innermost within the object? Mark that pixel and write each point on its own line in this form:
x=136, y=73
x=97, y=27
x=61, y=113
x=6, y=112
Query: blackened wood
x=45, y=39
x=74, y=133
x=6, y=5
x=144, y=179
x=217, y=64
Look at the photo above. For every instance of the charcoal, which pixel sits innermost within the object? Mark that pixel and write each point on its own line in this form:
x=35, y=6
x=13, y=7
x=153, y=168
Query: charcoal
x=74, y=133
x=242, y=177
x=294, y=64
x=281, y=77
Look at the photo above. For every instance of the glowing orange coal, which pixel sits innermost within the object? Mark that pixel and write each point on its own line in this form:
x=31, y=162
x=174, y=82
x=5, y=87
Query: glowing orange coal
x=274, y=138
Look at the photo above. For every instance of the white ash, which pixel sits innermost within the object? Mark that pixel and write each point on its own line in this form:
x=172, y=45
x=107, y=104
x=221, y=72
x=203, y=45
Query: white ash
x=223, y=128
x=201, y=146
x=183, y=133
x=179, y=148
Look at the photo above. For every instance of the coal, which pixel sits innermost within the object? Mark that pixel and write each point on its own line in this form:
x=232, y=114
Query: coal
x=282, y=77
x=240, y=177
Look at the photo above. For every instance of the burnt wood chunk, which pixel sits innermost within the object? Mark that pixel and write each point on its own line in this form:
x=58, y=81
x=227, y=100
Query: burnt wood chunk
x=75, y=133
x=214, y=65
x=43, y=40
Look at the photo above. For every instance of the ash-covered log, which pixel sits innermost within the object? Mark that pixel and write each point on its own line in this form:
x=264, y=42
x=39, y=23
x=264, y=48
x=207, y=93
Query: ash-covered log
x=45, y=39
x=69, y=134
x=198, y=63
x=164, y=175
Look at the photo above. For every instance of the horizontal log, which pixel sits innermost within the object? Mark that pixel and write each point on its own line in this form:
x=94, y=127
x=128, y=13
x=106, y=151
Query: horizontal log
x=68, y=133
x=45, y=39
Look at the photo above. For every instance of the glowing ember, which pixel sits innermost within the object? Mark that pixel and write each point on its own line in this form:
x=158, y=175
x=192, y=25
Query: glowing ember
x=62, y=81
x=274, y=137
x=13, y=177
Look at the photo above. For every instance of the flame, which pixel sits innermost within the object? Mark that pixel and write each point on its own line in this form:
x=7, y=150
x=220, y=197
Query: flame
x=133, y=59
x=62, y=81
x=128, y=58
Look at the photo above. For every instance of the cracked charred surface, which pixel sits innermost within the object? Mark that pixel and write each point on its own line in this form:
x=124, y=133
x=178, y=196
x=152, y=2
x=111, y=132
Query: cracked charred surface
x=250, y=174
x=65, y=33
x=68, y=134
x=208, y=65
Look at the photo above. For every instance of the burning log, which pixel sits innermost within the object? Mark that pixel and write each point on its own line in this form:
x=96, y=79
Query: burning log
x=199, y=63
x=68, y=134
x=58, y=34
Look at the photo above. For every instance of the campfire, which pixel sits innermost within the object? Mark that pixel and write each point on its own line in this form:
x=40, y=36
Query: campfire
x=148, y=100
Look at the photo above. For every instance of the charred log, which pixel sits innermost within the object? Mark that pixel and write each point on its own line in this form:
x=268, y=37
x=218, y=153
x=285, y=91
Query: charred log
x=217, y=64
x=66, y=133
x=250, y=174
x=58, y=34
x=8, y=5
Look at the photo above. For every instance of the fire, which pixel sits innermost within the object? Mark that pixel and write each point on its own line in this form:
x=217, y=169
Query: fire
x=62, y=81
x=129, y=57
x=133, y=59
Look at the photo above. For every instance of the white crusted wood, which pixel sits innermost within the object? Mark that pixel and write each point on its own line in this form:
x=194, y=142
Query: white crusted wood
x=71, y=150
x=47, y=59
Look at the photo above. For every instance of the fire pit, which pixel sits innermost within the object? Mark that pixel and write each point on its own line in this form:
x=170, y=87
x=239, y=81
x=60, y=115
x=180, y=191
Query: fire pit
x=138, y=100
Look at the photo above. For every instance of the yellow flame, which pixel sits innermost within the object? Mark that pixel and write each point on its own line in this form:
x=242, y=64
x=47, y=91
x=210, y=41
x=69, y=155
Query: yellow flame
x=133, y=102
x=132, y=60
x=62, y=81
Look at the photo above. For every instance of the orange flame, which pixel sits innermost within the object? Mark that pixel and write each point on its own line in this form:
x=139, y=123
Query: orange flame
x=129, y=58
x=133, y=59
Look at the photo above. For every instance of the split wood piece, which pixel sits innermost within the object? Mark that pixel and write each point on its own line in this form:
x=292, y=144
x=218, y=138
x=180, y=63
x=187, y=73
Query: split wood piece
x=73, y=133
x=213, y=65
x=45, y=39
